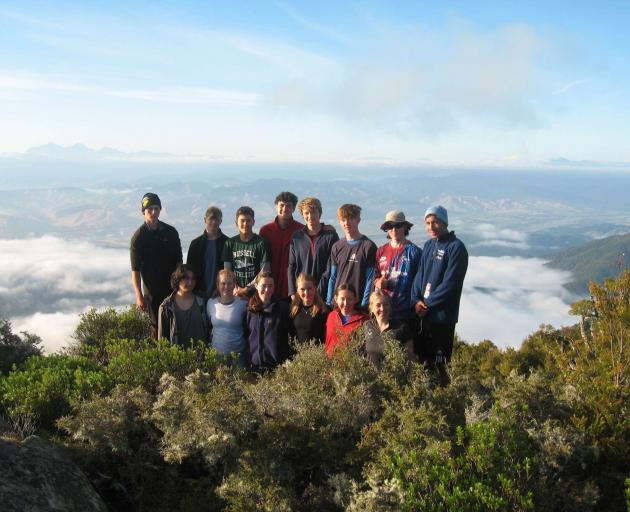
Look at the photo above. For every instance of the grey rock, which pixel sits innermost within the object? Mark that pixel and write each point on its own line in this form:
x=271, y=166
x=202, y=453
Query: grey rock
x=37, y=476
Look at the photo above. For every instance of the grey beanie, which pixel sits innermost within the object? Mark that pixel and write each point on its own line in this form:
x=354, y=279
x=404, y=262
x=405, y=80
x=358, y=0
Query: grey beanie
x=439, y=212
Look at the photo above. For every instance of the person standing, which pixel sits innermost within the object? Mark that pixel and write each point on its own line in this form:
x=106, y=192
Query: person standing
x=205, y=253
x=396, y=264
x=310, y=247
x=352, y=259
x=155, y=253
x=245, y=254
x=278, y=235
x=436, y=291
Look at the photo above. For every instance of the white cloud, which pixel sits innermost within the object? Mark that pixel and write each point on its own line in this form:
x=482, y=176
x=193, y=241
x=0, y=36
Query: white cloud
x=570, y=86
x=47, y=282
x=193, y=95
x=54, y=328
x=491, y=232
x=412, y=80
x=506, y=299
x=491, y=236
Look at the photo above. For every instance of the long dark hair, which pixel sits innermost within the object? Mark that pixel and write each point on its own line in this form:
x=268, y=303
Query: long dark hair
x=255, y=304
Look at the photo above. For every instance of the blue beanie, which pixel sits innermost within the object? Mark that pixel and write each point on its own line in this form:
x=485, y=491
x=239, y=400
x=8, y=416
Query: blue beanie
x=439, y=212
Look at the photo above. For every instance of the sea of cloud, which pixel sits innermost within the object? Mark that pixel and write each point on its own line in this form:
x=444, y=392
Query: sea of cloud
x=507, y=298
x=48, y=281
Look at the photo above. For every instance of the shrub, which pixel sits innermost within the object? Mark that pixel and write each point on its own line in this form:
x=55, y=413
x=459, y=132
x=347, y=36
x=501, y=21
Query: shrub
x=15, y=349
x=142, y=363
x=45, y=387
x=97, y=328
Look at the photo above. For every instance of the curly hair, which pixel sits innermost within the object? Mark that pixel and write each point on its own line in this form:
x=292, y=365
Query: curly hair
x=310, y=203
x=286, y=197
x=180, y=273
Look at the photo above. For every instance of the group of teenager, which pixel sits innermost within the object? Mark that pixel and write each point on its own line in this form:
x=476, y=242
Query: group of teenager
x=250, y=294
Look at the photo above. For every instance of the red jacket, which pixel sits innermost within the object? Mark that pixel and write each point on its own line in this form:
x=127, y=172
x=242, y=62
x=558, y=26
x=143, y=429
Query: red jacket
x=278, y=241
x=337, y=332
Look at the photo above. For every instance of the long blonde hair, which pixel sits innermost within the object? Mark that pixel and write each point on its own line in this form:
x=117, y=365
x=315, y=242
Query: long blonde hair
x=318, y=304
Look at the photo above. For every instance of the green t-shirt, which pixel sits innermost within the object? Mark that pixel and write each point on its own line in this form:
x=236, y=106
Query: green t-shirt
x=246, y=258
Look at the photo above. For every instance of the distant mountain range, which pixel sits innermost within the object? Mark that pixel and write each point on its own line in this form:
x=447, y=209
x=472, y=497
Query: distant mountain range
x=82, y=152
x=595, y=260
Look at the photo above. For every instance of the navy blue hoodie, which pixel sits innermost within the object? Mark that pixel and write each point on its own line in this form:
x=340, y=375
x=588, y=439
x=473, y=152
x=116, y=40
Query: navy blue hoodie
x=440, y=278
x=267, y=333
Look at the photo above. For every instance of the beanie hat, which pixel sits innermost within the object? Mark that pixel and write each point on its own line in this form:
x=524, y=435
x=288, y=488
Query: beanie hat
x=439, y=212
x=150, y=199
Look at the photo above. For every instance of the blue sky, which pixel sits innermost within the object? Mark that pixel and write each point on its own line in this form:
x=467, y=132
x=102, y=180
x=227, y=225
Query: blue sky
x=431, y=83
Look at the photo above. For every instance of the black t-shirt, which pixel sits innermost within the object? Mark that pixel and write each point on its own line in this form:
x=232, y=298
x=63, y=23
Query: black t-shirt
x=307, y=327
x=155, y=254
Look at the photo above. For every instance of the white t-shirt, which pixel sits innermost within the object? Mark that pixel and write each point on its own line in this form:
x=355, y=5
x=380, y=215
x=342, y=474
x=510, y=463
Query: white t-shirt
x=227, y=324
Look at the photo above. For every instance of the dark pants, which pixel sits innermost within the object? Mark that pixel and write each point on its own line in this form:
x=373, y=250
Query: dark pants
x=433, y=340
x=153, y=308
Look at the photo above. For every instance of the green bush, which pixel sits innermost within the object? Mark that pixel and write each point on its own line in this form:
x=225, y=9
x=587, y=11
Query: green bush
x=160, y=427
x=98, y=327
x=45, y=387
x=15, y=349
x=135, y=363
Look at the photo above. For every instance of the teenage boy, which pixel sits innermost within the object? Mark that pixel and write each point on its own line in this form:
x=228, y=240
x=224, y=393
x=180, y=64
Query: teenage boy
x=352, y=259
x=278, y=235
x=310, y=247
x=155, y=253
x=437, y=289
x=245, y=254
x=205, y=253
x=396, y=264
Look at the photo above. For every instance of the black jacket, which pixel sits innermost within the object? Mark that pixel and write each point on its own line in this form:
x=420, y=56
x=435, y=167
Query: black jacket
x=317, y=263
x=196, y=258
x=155, y=254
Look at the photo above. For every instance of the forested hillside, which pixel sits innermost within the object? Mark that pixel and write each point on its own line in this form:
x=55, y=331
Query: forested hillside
x=594, y=261
x=160, y=428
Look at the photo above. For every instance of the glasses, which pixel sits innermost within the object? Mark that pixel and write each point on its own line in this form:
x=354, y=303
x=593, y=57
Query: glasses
x=395, y=226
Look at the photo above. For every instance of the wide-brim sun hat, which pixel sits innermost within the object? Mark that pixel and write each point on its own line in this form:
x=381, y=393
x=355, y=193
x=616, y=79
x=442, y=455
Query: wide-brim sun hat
x=395, y=217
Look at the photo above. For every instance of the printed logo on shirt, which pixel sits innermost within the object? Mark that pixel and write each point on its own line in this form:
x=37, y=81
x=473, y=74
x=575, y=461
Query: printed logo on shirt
x=353, y=258
x=440, y=254
x=248, y=253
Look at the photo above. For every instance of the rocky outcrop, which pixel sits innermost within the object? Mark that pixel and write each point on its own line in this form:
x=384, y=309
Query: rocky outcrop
x=37, y=476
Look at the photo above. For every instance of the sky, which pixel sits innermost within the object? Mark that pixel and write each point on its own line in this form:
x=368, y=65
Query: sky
x=430, y=83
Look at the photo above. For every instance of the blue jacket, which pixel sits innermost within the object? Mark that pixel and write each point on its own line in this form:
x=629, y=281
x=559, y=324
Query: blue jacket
x=440, y=278
x=267, y=333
